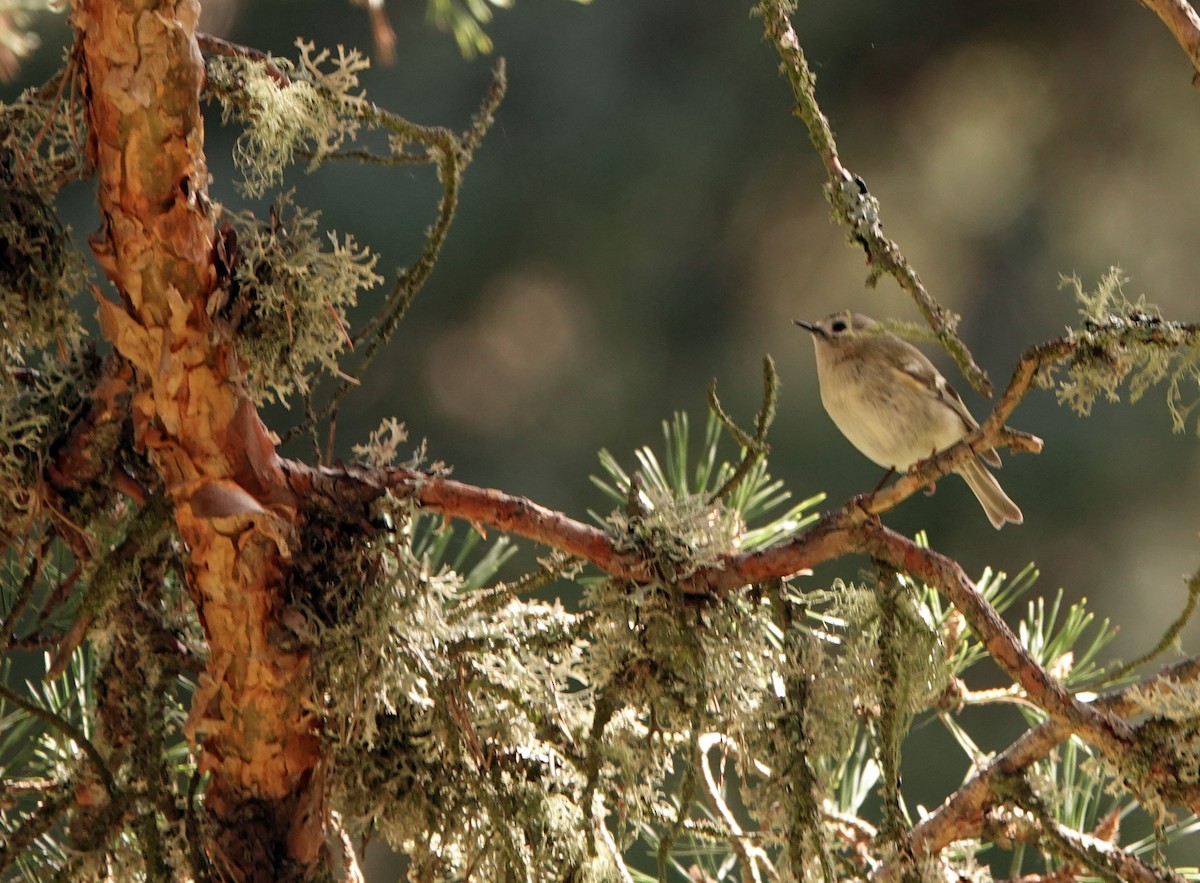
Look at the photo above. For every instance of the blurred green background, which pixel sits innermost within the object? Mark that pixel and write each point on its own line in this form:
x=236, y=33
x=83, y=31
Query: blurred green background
x=646, y=215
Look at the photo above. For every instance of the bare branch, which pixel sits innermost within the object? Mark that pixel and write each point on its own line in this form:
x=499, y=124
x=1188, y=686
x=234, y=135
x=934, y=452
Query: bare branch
x=1183, y=23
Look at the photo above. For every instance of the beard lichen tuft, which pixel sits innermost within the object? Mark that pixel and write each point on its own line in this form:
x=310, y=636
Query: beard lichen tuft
x=41, y=270
x=315, y=109
x=39, y=404
x=681, y=532
x=1128, y=342
x=285, y=289
x=453, y=732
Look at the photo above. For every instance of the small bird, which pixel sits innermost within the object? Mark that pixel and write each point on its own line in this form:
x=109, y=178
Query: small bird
x=893, y=405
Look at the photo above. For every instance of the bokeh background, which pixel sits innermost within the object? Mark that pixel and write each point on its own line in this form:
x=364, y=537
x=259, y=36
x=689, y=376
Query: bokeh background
x=647, y=215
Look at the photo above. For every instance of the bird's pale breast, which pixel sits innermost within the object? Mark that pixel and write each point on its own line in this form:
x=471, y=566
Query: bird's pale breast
x=892, y=423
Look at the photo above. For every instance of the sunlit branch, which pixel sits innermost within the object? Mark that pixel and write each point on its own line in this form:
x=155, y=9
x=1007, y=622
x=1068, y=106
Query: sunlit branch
x=961, y=816
x=852, y=205
x=1077, y=850
x=1183, y=23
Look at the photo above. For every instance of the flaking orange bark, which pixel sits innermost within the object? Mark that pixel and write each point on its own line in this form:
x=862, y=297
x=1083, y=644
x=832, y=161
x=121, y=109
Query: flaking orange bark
x=251, y=716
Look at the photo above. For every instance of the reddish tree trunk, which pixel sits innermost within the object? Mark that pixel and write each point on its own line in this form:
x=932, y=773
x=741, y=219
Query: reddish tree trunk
x=251, y=717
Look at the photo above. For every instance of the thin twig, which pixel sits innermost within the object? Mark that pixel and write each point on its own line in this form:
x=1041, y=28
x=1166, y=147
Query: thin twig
x=852, y=205
x=1170, y=635
x=18, y=839
x=1183, y=23
x=353, y=872
x=596, y=815
x=1110, y=734
x=24, y=595
x=146, y=529
x=754, y=447
x=452, y=154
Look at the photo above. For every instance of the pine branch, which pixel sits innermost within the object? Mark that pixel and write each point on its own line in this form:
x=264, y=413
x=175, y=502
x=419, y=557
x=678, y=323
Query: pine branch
x=72, y=732
x=962, y=815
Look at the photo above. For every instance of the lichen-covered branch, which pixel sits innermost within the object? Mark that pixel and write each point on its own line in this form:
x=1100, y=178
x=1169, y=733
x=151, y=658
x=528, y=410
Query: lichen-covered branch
x=1080, y=853
x=962, y=815
x=843, y=531
x=1110, y=734
x=833, y=536
x=852, y=205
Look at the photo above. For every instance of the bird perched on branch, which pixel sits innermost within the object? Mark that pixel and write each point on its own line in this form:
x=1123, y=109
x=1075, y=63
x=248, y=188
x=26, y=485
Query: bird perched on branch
x=893, y=405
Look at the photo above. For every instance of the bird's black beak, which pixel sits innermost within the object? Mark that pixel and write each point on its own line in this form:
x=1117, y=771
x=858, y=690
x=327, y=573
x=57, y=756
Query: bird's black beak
x=809, y=327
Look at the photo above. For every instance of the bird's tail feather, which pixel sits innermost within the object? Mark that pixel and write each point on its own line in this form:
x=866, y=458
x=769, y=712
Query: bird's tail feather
x=999, y=508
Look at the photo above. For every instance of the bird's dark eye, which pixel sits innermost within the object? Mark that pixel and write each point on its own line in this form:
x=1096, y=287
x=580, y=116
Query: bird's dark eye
x=838, y=327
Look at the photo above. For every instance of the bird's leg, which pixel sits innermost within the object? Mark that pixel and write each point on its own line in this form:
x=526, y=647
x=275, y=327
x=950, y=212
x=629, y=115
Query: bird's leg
x=916, y=470
x=863, y=501
x=891, y=471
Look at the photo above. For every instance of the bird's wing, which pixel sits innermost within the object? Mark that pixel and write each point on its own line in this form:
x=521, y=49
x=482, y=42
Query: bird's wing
x=927, y=378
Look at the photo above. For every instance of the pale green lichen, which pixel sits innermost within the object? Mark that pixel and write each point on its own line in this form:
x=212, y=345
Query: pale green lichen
x=314, y=111
x=41, y=270
x=383, y=444
x=685, y=533
x=288, y=289
x=38, y=402
x=1176, y=700
x=449, y=724
x=474, y=729
x=1124, y=342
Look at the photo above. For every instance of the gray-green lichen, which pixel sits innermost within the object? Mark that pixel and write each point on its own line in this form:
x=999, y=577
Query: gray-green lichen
x=41, y=270
x=286, y=288
x=39, y=401
x=1123, y=342
x=310, y=106
x=443, y=729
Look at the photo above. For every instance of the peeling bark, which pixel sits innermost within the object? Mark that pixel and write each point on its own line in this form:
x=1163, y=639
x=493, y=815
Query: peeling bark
x=251, y=718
